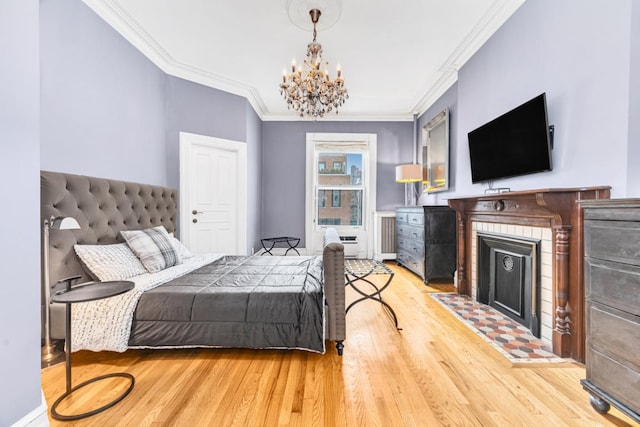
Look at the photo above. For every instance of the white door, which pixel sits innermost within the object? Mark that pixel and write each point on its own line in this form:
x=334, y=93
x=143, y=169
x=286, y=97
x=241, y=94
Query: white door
x=213, y=194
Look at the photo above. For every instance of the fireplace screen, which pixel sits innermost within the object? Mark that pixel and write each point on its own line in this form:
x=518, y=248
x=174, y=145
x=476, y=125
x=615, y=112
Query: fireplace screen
x=508, y=277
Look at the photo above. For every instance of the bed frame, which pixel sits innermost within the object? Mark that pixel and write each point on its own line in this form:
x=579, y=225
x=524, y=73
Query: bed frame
x=104, y=207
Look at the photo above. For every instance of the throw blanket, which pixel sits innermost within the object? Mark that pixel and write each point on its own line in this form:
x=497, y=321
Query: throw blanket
x=106, y=324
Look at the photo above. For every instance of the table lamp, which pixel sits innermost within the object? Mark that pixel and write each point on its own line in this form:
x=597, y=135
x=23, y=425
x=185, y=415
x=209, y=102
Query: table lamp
x=409, y=174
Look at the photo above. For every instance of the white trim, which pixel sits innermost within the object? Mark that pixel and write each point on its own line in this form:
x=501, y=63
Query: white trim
x=133, y=32
x=493, y=19
x=370, y=139
x=341, y=117
x=36, y=418
x=118, y=18
x=187, y=140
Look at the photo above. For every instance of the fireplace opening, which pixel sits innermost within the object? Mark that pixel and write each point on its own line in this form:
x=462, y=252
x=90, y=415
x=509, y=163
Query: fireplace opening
x=509, y=277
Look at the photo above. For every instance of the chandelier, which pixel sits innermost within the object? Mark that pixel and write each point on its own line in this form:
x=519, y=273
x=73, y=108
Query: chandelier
x=308, y=89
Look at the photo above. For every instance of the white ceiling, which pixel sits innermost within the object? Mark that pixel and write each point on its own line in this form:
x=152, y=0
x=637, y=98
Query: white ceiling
x=397, y=57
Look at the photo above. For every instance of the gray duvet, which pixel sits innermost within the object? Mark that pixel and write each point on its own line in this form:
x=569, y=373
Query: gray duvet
x=247, y=302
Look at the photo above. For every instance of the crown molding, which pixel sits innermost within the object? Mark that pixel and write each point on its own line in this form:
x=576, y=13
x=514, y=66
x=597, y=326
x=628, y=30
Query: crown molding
x=342, y=117
x=112, y=13
x=493, y=19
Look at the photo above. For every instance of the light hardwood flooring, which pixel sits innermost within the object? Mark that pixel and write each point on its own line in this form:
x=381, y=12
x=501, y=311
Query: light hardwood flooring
x=435, y=372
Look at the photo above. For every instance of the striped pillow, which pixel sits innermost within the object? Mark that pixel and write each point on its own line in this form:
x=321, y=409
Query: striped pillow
x=153, y=247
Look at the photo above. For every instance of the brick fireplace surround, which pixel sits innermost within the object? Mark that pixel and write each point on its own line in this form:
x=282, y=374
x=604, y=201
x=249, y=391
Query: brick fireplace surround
x=554, y=209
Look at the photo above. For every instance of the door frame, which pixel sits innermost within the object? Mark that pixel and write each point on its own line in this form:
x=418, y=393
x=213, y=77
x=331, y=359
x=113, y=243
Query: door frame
x=370, y=190
x=187, y=141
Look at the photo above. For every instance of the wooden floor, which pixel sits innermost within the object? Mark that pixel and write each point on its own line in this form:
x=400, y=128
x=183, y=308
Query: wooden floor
x=435, y=372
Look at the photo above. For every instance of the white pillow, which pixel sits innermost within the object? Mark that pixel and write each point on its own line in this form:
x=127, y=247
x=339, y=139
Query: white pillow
x=109, y=262
x=153, y=247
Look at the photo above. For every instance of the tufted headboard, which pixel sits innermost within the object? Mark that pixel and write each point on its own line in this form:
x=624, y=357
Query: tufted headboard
x=102, y=207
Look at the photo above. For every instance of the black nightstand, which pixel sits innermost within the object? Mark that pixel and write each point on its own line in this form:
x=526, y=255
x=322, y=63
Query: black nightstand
x=64, y=293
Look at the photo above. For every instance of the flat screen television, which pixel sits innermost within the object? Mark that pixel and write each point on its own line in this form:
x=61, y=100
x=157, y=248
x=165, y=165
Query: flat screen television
x=516, y=143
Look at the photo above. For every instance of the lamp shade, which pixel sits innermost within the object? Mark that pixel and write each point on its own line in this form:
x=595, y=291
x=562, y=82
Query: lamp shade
x=65, y=223
x=409, y=173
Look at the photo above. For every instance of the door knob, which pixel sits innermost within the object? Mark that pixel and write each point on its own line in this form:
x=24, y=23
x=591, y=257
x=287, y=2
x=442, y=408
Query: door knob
x=195, y=212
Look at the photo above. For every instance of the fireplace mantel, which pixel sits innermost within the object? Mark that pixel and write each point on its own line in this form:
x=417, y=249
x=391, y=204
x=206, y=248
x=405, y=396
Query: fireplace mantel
x=553, y=208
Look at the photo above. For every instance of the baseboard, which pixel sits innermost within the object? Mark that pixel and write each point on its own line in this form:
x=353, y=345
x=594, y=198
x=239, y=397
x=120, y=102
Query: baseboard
x=36, y=418
x=281, y=251
x=384, y=257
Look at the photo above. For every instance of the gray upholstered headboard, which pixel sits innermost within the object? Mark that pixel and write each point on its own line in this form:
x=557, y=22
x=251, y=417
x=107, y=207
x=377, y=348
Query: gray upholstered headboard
x=102, y=207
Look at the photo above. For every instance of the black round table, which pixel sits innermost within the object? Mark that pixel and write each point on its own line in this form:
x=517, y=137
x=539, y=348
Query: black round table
x=82, y=293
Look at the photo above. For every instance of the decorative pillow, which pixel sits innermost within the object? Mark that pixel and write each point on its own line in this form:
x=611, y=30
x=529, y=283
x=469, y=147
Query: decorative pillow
x=109, y=262
x=154, y=248
x=180, y=248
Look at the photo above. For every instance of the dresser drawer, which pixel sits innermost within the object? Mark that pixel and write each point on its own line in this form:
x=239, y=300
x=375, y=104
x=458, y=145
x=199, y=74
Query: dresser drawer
x=417, y=266
x=614, y=332
x=617, y=378
x=413, y=247
x=613, y=240
x=613, y=284
x=416, y=218
x=410, y=231
x=402, y=217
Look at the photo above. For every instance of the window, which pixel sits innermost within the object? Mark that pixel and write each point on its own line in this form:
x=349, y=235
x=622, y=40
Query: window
x=329, y=221
x=335, y=198
x=349, y=169
x=344, y=190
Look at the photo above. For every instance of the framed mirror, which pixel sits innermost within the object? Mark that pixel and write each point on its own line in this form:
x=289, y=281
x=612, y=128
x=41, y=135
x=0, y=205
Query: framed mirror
x=435, y=153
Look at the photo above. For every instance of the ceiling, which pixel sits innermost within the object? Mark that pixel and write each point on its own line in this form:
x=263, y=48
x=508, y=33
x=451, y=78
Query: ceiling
x=397, y=57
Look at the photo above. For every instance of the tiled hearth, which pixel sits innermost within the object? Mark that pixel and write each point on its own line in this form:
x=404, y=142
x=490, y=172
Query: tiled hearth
x=546, y=265
x=511, y=339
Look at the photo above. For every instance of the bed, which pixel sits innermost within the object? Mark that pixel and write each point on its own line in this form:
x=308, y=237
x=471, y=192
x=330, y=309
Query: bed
x=209, y=300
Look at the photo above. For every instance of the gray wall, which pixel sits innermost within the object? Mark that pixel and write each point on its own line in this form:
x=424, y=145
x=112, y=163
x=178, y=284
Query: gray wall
x=448, y=100
x=578, y=53
x=194, y=108
x=254, y=179
x=284, y=160
x=108, y=111
x=20, y=261
x=633, y=156
x=102, y=101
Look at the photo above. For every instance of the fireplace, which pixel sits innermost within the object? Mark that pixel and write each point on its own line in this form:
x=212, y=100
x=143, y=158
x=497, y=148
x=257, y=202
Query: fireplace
x=509, y=277
x=553, y=216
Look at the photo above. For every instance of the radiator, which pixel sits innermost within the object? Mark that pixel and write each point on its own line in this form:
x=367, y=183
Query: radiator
x=384, y=235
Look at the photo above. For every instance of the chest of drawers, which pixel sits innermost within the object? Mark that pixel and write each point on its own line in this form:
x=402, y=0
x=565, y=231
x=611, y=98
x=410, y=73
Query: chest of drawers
x=612, y=290
x=426, y=241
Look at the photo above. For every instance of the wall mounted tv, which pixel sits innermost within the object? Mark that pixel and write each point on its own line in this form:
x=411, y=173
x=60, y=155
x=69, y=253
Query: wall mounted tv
x=516, y=143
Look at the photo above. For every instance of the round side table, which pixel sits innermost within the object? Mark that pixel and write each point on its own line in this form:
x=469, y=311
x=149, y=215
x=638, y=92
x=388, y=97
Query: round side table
x=82, y=293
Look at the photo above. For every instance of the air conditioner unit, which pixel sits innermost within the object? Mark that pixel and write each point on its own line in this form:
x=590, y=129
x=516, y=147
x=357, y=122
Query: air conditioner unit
x=350, y=244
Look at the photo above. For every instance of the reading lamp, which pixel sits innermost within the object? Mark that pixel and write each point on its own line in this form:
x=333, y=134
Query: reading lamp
x=59, y=223
x=409, y=174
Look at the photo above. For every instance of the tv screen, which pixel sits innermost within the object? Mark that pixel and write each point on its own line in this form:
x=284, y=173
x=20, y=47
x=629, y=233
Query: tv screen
x=516, y=143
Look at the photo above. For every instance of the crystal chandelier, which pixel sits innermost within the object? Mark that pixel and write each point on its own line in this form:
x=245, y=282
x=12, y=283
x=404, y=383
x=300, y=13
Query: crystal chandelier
x=308, y=89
